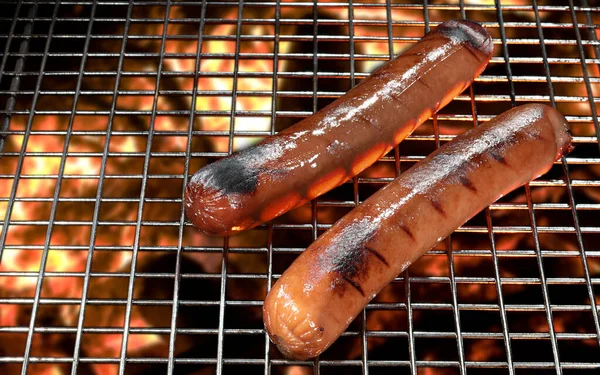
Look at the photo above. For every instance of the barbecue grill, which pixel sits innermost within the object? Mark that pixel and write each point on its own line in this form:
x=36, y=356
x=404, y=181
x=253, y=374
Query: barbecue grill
x=107, y=107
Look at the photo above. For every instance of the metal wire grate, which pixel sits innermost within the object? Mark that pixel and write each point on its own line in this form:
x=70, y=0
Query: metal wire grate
x=108, y=106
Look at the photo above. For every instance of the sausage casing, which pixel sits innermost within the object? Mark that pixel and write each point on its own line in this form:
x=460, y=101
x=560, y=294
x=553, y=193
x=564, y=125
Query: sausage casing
x=324, y=150
x=328, y=285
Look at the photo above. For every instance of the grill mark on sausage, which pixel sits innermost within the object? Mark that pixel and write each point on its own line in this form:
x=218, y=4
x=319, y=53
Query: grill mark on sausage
x=363, y=118
x=378, y=255
x=467, y=183
x=423, y=82
x=354, y=284
x=407, y=231
x=438, y=207
x=499, y=158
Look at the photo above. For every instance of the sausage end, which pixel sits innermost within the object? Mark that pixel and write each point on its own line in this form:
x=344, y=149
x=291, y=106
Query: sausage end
x=214, y=195
x=290, y=328
x=561, y=131
x=469, y=32
x=212, y=212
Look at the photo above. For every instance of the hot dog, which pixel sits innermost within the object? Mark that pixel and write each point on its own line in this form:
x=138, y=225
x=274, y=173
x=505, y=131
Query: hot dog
x=323, y=151
x=328, y=285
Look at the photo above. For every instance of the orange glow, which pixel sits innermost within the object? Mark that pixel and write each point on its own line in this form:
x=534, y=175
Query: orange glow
x=52, y=370
x=369, y=157
x=451, y=94
x=425, y=115
x=279, y=206
x=327, y=183
x=243, y=225
x=404, y=131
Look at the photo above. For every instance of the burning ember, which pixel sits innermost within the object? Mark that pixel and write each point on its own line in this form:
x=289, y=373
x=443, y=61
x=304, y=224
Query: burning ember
x=244, y=82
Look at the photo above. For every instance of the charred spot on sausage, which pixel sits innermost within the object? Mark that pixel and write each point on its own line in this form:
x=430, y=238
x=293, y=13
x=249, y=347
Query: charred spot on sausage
x=438, y=207
x=351, y=262
x=499, y=158
x=378, y=255
x=354, y=284
x=423, y=82
x=469, y=32
x=230, y=175
x=467, y=183
x=407, y=231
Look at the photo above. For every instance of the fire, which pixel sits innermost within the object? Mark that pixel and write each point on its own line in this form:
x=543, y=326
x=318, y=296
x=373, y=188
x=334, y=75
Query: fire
x=69, y=244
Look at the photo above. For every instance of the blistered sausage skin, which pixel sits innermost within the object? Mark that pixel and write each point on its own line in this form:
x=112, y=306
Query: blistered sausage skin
x=330, y=283
x=324, y=150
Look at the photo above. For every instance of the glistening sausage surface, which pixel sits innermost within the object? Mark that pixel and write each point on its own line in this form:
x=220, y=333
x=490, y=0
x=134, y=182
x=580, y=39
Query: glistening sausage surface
x=328, y=285
x=321, y=152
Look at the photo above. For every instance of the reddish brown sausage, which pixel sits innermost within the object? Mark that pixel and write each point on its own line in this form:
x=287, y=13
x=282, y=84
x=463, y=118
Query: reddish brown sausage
x=315, y=300
x=321, y=152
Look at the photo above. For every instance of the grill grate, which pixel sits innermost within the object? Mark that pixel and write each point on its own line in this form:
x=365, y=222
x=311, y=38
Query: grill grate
x=108, y=106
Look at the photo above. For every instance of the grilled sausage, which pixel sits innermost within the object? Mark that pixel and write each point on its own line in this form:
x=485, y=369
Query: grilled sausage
x=323, y=151
x=328, y=285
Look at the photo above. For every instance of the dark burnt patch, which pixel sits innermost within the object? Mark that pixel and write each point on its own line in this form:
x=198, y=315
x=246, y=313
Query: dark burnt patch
x=352, y=266
x=464, y=181
x=469, y=32
x=230, y=175
x=239, y=172
x=347, y=255
x=438, y=207
x=351, y=263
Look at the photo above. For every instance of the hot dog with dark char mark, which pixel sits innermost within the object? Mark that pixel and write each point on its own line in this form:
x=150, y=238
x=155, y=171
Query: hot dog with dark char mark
x=320, y=294
x=323, y=151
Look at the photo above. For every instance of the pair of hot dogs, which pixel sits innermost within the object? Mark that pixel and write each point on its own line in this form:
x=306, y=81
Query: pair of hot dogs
x=316, y=299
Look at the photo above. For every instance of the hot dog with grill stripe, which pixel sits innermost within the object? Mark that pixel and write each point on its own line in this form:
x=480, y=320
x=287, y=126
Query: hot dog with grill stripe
x=328, y=285
x=323, y=151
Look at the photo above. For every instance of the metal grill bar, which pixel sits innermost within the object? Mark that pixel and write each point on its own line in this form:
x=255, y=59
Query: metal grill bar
x=88, y=265
x=10, y=103
x=277, y=36
x=86, y=276
x=488, y=216
x=9, y=40
x=38, y=288
x=315, y=86
x=144, y=183
x=178, y=275
x=566, y=173
x=414, y=6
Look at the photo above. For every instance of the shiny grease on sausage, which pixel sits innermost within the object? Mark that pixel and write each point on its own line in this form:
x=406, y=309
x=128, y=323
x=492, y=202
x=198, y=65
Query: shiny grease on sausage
x=328, y=285
x=324, y=150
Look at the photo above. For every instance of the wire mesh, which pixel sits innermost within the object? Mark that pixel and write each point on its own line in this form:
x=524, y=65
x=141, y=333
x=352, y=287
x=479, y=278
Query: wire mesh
x=107, y=107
